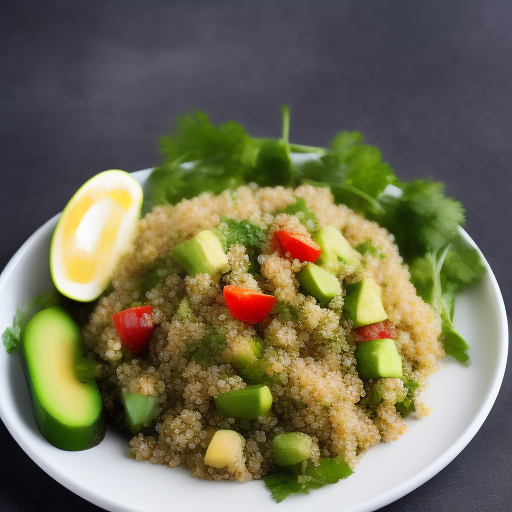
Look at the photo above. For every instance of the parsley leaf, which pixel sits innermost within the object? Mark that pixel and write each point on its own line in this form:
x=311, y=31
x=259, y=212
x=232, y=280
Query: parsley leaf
x=406, y=406
x=273, y=165
x=231, y=231
x=290, y=481
x=368, y=247
x=220, y=156
x=208, y=349
x=421, y=219
x=437, y=276
x=11, y=337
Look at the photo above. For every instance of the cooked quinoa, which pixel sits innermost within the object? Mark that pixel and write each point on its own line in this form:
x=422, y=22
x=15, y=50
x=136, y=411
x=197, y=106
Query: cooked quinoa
x=308, y=350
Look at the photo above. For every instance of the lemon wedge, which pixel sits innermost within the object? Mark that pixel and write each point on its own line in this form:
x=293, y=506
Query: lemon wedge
x=96, y=227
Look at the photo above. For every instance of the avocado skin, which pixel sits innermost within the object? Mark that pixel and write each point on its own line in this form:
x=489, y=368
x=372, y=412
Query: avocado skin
x=59, y=434
x=378, y=359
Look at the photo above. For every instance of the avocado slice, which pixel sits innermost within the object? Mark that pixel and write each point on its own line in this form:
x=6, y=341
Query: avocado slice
x=203, y=254
x=225, y=448
x=246, y=351
x=363, y=304
x=319, y=283
x=377, y=359
x=336, y=251
x=140, y=410
x=68, y=410
x=246, y=404
x=291, y=448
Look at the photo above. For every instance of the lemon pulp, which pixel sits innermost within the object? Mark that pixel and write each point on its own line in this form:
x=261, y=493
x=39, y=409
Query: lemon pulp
x=96, y=227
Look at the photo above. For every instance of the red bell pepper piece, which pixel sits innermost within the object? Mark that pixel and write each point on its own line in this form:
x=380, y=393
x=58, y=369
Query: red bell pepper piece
x=377, y=331
x=247, y=305
x=301, y=247
x=134, y=327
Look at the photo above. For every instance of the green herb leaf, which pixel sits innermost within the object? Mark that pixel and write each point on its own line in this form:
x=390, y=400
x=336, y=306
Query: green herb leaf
x=12, y=336
x=454, y=343
x=406, y=406
x=273, y=165
x=437, y=283
x=300, y=209
x=231, y=231
x=292, y=481
x=368, y=247
x=208, y=349
x=220, y=156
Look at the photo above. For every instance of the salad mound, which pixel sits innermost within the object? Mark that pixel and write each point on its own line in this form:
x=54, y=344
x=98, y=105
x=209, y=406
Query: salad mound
x=307, y=352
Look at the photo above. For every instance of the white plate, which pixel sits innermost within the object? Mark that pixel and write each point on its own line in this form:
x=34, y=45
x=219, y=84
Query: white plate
x=461, y=399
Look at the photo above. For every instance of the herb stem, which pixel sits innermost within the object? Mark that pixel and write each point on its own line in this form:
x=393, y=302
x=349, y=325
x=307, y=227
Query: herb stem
x=286, y=123
x=299, y=148
x=376, y=205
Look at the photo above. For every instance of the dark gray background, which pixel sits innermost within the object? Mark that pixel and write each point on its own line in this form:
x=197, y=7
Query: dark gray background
x=88, y=86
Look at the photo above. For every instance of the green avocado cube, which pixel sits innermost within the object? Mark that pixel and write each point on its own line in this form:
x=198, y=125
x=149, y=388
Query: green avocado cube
x=377, y=359
x=363, y=304
x=140, y=410
x=319, y=283
x=203, y=254
x=246, y=404
x=336, y=251
x=292, y=448
x=246, y=351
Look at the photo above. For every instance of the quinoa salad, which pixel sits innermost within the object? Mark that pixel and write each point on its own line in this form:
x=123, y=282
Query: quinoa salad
x=307, y=354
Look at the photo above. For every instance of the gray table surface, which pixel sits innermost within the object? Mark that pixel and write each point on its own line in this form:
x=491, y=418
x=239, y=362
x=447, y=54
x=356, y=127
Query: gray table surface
x=90, y=85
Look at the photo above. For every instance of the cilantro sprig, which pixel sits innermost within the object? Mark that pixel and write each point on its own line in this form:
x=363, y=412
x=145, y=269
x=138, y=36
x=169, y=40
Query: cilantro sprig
x=289, y=481
x=422, y=219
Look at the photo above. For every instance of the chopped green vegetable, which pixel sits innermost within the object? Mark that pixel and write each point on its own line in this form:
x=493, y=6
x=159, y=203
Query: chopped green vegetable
x=208, y=349
x=294, y=481
x=368, y=247
x=231, y=231
x=406, y=406
x=303, y=213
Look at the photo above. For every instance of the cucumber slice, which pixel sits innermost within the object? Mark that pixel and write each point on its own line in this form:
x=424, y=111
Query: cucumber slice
x=68, y=410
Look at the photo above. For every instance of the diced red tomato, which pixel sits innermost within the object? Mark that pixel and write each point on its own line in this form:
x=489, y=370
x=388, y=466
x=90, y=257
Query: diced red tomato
x=377, y=331
x=134, y=327
x=299, y=246
x=247, y=305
